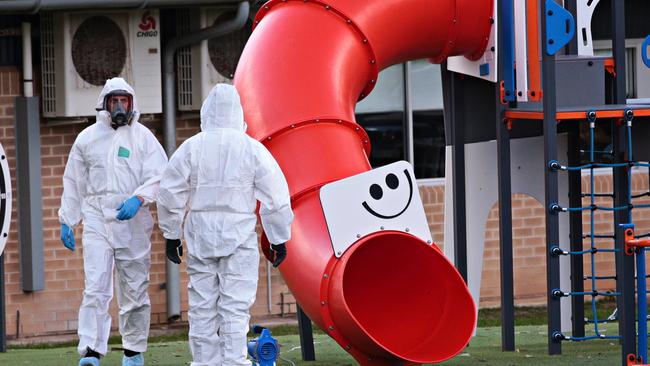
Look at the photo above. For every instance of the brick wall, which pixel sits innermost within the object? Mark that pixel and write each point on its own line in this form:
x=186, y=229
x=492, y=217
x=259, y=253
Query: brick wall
x=529, y=247
x=54, y=310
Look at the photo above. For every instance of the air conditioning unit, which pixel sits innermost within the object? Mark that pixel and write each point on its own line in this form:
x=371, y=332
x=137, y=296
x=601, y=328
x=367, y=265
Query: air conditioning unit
x=81, y=50
x=210, y=62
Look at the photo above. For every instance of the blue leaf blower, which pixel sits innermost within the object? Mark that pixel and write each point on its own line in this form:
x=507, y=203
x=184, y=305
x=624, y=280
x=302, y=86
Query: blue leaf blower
x=264, y=350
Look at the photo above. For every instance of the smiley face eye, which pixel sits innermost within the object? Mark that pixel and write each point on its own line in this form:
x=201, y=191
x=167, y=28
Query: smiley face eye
x=376, y=192
x=392, y=181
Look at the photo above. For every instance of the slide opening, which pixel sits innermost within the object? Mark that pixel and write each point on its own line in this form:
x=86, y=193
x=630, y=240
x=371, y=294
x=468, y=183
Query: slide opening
x=407, y=297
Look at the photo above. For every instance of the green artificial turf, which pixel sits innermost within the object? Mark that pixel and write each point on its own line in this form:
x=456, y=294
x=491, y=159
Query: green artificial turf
x=485, y=349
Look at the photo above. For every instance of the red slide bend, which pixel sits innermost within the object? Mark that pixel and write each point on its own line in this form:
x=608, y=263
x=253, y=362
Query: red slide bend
x=391, y=299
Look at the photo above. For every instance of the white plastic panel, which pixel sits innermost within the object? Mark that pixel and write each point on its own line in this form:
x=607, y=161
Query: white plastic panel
x=481, y=195
x=521, y=51
x=5, y=200
x=462, y=65
x=385, y=198
x=585, y=12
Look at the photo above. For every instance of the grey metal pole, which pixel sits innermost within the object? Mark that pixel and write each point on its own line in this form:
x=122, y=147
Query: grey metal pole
x=625, y=284
x=408, y=111
x=551, y=194
x=3, y=314
x=306, y=336
x=575, y=200
x=504, y=178
x=169, y=122
x=454, y=137
x=269, y=288
x=28, y=84
x=575, y=232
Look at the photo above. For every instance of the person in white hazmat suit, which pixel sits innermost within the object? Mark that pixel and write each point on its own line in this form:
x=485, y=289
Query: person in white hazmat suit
x=111, y=177
x=217, y=176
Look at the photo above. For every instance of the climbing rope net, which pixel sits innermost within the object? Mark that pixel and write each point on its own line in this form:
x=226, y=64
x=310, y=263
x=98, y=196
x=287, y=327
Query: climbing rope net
x=635, y=244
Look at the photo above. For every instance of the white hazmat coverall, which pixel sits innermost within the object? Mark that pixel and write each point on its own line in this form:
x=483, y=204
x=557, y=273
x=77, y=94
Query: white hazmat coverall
x=218, y=175
x=106, y=166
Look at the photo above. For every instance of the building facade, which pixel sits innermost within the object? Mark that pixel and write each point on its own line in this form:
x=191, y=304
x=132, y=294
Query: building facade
x=407, y=98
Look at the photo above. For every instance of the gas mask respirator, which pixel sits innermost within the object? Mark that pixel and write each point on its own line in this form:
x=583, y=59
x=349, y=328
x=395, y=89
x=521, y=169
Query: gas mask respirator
x=119, y=114
x=119, y=104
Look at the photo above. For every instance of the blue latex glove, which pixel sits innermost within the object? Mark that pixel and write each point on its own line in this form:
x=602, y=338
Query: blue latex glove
x=129, y=208
x=67, y=236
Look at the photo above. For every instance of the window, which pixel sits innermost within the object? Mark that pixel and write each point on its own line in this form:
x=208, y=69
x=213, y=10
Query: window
x=603, y=148
x=384, y=116
x=429, y=144
x=630, y=67
x=604, y=130
x=428, y=121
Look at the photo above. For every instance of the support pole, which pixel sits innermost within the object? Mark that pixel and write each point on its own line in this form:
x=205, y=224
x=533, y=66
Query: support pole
x=551, y=193
x=572, y=47
x=3, y=308
x=306, y=336
x=505, y=197
x=458, y=172
x=575, y=233
x=455, y=137
x=624, y=263
x=642, y=305
x=624, y=283
x=505, y=237
x=409, y=150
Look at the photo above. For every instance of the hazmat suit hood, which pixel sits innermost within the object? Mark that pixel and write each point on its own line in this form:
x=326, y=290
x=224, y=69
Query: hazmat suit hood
x=222, y=109
x=111, y=86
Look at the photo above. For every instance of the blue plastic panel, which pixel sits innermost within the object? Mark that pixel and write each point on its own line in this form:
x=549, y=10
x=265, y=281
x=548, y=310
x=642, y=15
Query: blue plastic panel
x=508, y=50
x=560, y=27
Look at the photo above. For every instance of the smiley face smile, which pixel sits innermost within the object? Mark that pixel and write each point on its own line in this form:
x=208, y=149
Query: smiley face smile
x=376, y=192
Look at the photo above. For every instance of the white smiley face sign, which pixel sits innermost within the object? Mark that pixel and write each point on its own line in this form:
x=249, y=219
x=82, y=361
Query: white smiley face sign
x=385, y=198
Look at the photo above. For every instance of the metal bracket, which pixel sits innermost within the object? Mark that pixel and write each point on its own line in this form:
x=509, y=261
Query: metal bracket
x=631, y=243
x=502, y=93
x=628, y=115
x=560, y=27
x=632, y=360
x=591, y=116
x=554, y=166
x=556, y=251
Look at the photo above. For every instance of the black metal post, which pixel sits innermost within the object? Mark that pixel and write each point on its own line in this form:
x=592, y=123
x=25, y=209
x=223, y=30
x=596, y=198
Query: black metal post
x=3, y=310
x=505, y=235
x=618, y=51
x=505, y=210
x=624, y=263
x=551, y=193
x=458, y=173
x=575, y=233
x=306, y=336
x=572, y=47
x=455, y=137
x=625, y=286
